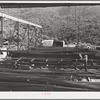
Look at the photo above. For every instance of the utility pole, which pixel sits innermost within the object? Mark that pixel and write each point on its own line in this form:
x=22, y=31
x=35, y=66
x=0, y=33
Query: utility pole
x=76, y=28
x=1, y=33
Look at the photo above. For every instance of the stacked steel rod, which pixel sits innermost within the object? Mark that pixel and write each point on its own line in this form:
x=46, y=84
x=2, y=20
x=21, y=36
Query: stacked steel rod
x=50, y=70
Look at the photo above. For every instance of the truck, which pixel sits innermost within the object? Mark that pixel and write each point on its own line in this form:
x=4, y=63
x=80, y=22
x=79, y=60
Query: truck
x=57, y=43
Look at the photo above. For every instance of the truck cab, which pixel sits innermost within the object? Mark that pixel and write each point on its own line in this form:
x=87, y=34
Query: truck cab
x=53, y=43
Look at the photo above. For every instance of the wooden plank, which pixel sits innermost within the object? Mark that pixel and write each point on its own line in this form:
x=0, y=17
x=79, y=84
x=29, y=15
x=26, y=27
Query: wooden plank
x=19, y=20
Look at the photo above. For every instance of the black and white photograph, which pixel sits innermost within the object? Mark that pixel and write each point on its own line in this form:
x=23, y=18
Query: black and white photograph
x=49, y=46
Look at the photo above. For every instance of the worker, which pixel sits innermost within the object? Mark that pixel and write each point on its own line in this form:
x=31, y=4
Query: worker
x=85, y=62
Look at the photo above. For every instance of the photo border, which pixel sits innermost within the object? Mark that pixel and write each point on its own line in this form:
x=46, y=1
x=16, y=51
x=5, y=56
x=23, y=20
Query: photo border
x=43, y=94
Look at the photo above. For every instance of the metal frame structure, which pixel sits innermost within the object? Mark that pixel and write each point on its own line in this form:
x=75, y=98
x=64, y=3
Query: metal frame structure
x=2, y=15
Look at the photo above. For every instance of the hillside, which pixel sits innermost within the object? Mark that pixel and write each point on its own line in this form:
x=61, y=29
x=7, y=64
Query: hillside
x=59, y=22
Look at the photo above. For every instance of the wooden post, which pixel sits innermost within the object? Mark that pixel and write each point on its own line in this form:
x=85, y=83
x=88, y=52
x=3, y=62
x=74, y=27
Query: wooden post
x=92, y=63
x=1, y=33
x=35, y=37
x=18, y=37
x=76, y=64
x=28, y=37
